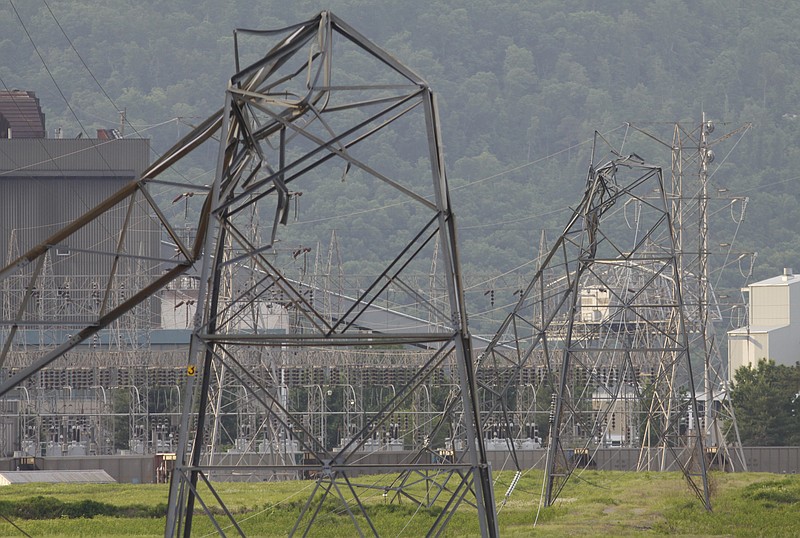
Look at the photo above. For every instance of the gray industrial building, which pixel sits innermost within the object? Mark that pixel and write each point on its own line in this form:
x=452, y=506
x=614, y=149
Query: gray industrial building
x=45, y=184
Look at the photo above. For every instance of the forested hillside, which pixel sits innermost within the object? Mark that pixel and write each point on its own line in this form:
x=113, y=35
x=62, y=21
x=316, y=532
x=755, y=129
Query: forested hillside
x=522, y=85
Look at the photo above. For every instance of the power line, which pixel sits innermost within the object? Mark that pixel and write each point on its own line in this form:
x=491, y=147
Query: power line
x=531, y=163
x=47, y=69
x=78, y=54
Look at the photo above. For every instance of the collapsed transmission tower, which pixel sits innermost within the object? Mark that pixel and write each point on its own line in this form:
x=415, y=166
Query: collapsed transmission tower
x=292, y=114
x=312, y=112
x=603, y=323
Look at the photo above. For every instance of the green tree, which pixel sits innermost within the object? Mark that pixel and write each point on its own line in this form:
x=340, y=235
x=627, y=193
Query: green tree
x=765, y=399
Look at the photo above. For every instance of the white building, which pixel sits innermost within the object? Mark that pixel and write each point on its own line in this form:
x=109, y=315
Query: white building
x=595, y=301
x=773, y=329
x=616, y=415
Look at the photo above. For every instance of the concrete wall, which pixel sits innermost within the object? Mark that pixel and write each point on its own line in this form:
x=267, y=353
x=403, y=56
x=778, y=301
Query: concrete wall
x=769, y=305
x=141, y=469
x=783, y=345
x=773, y=459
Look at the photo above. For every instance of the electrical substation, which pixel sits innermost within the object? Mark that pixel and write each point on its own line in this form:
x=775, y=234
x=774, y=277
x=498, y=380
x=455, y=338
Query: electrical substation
x=145, y=312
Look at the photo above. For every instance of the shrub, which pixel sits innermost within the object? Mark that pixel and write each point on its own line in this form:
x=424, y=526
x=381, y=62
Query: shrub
x=774, y=491
x=51, y=508
x=39, y=508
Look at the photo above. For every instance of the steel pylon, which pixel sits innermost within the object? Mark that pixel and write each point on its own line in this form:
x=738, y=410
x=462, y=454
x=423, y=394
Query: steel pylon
x=307, y=116
x=599, y=335
x=309, y=107
x=692, y=148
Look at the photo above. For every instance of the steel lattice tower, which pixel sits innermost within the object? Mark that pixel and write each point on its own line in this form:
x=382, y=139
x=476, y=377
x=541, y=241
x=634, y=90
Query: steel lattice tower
x=603, y=321
x=289, y=115
x=308, y=107
x=692, y=153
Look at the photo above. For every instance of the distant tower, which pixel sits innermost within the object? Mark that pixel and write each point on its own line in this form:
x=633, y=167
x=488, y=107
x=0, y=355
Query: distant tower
x=603, y=320
x=692, y=156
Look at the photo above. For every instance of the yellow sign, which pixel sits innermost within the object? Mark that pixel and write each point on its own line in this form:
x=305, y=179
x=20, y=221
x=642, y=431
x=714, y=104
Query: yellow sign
x=190, y=370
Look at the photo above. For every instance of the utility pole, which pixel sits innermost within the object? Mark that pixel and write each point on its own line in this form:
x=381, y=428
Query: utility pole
x=122, y=120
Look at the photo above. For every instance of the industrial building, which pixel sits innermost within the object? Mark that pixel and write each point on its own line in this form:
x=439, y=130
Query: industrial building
x=47, y=183
x=119, y=393
x=773, y=327
x=21, y=115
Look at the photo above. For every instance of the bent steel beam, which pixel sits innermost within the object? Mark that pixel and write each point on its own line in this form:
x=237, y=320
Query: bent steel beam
x=603, y=322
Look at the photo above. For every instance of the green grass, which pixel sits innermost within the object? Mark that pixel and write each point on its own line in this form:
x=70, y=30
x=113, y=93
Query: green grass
x=593, y=503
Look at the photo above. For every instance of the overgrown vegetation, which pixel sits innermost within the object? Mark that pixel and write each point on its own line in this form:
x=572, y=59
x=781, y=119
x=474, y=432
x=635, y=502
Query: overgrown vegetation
x=41, y=507
x=594, y=503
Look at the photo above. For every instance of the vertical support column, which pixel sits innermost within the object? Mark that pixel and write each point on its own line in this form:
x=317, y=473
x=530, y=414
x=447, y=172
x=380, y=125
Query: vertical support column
x=706, y=332
x=177, y=490
x=476, y=451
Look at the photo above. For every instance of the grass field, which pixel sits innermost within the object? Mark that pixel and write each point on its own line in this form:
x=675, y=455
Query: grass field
x=594, y=503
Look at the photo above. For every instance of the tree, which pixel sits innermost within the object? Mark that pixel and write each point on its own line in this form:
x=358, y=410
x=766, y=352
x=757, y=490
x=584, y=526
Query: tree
x=765, y=399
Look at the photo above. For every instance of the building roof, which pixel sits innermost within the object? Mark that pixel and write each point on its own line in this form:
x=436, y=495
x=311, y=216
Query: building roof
x=754, y=329
x=93, y=476
x=73, y=157
x=780, y=280
x=23, y=115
